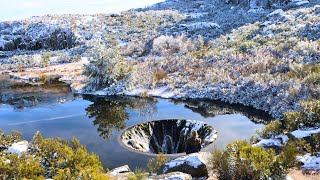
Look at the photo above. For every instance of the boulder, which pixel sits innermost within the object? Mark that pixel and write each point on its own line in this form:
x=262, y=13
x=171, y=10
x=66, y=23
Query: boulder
x=173, y=176
x=119, y=170
x=195, y=164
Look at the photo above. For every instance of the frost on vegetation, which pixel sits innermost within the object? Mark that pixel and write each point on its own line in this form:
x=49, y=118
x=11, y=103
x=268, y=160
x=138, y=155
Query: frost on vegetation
x=169, y=45
x=106, y=69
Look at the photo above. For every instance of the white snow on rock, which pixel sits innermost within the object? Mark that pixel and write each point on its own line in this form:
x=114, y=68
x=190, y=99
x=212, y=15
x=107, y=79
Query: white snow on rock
x=122, y=169
x=201, y=25
x=305, y=133
x=310, y=162
x=278, y=140
x=300, y=2
x=276, y=12
x=18, y=147
x=193, y=160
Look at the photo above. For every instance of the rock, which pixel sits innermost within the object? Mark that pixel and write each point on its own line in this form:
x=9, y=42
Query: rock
x=195, y=164
x=300, y=2
x=18, y=147
x=276, y=12
x=173, y=176
x=119, y=170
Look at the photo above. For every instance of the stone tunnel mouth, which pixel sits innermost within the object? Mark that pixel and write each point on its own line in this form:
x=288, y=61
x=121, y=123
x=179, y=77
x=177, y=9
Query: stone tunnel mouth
x=168, y=136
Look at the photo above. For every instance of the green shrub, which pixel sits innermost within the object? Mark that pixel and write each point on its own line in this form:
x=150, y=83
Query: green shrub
x=155, y=164
x=271, y=129
x=308, y=116
x=139, y=174
x=243, y=161
x=24, y=167
x=67, y=160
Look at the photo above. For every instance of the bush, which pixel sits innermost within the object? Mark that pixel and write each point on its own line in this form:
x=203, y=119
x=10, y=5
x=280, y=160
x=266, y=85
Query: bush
x=272, y=129
x=67, y=161
x=169, y=45
x=242, y=161
x=138, y=175
x=308, y=116
x=106, y=69
x=155, y=164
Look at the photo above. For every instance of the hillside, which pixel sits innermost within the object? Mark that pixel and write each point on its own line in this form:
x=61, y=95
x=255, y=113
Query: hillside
x=263, y=54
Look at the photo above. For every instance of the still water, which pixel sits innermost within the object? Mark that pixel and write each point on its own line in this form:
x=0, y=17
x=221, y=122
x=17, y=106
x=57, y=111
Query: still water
x=99, y=121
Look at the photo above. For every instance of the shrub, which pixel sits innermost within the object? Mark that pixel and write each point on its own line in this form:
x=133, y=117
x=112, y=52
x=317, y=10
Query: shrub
x=242, y=161
x=169, y=45
x=64, y=161
x=107, y=68
x=155, y=164
x=271, y=129
x=308, y=116
x=139, y=174
x=24, y=167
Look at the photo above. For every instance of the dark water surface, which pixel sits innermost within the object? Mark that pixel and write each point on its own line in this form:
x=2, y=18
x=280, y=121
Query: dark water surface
x=98, y=122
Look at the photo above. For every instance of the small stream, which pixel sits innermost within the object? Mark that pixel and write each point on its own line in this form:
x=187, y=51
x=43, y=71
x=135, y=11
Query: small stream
x=98, y=122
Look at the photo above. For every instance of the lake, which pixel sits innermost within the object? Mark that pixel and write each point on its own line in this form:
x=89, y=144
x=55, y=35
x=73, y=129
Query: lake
x=98, y=122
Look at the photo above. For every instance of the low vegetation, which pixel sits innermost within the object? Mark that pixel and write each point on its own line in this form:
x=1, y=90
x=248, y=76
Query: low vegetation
x=155, y=164
x=241, y=160
x=49, y=158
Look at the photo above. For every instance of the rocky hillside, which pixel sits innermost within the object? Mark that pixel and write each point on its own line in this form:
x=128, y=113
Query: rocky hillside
x=261, y=53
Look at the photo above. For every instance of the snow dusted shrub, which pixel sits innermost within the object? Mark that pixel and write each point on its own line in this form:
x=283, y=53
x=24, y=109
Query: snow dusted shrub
x=272, y=129
x=135, y=48
x=169, y=45
x=106, y=69
x=243, y=161
x=307, y=117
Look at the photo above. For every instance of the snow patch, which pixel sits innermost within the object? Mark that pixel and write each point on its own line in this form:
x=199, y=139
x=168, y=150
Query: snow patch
x=18, y=147
x=305, y=133
x=310, y=162
x=119, y=170
x=278, y=140
x=201, y=25
x=163, y=92
x=193, y=160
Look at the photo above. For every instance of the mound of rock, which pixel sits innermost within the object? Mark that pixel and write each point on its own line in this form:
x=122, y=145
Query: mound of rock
x=34, y=36
x=195, y=164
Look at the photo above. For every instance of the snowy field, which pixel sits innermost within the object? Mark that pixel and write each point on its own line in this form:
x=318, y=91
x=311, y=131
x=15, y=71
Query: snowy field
x=19, y=9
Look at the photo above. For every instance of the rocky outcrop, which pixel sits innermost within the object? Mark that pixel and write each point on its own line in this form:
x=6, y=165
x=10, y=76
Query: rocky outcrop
x=195, y=164
x=34, y=36
x=173, y=176
x=166, y=136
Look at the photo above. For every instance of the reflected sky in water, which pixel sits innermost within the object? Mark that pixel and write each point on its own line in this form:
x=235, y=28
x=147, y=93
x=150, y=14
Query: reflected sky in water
x=98, y=123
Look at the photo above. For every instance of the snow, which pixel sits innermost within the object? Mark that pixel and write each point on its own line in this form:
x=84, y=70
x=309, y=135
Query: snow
x=300, y=2
x=310, y=162
x=163, y=92
x=268, y=143
x=279, y=140
x=276, y=12
x=119, y=170
x=193, y=160
x=201, y=25
x=18, y=147
x=304, y=133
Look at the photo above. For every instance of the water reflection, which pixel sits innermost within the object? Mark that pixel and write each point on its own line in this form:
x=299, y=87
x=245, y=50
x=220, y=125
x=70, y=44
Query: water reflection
x=20, y=95
x=110, y=113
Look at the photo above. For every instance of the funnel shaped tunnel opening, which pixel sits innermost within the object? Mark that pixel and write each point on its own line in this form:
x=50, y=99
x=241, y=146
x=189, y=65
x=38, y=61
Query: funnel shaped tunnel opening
x=166, y=136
